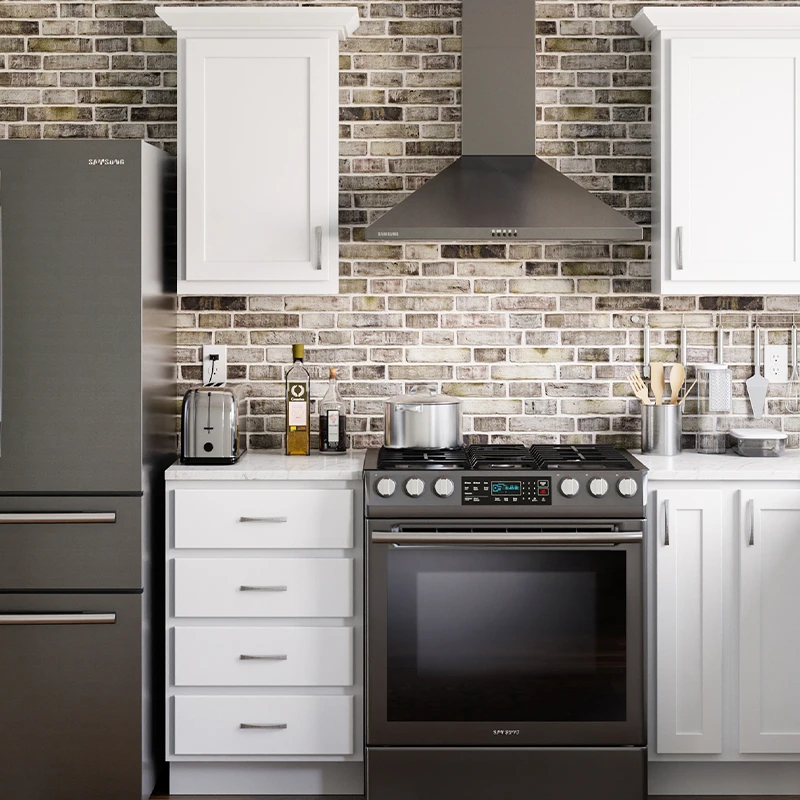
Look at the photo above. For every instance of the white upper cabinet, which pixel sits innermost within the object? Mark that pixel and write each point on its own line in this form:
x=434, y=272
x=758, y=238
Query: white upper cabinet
x=258, y=147
x=726, y=146
x=769, y=622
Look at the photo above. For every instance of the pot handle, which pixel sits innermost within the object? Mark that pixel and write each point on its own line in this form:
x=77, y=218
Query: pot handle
x=415, y=407
x=429, y=389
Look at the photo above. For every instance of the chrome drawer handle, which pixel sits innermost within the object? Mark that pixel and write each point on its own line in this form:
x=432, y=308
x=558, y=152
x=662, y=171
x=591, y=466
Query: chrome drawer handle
x=750, y=508
x=244, y=657
x=58, y=619
x=57, y=517
x=268, y=726
x=263, y=519
x=263, y=588
x=666, y=523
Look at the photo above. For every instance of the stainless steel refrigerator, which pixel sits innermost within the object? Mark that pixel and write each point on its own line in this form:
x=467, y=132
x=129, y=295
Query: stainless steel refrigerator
x=87, y=337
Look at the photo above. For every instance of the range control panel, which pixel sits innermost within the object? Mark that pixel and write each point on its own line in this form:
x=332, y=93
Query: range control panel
x=506, y=491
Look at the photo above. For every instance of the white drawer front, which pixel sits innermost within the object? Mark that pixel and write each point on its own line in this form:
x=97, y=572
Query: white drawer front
x=264, y=656
x=263, y=587
x=268, y=518
x=290, y=726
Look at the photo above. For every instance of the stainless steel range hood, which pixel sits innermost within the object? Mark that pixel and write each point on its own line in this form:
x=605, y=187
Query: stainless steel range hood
x=499, y=189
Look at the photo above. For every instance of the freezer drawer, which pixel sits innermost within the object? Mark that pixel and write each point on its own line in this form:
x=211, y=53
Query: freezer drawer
x=70, y=668
x=70, y=543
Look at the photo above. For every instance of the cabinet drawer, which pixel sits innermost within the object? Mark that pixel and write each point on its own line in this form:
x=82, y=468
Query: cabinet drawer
x=263, y=587
x=263, y=656
x=269, y=518
x=286, y=726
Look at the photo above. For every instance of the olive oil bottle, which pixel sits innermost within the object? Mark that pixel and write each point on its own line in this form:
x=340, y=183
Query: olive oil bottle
x=298, y=405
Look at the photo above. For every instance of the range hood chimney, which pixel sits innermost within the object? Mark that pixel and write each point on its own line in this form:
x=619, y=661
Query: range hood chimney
x=499, y=189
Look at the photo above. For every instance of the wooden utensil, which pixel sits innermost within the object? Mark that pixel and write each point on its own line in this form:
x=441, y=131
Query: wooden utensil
x=677, y=377
x=757, y=385
x=657, y=381
x=686, y=393
x=639, y=387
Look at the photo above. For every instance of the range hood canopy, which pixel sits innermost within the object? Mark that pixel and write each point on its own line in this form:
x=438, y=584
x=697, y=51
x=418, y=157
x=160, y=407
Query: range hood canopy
x=499, y=189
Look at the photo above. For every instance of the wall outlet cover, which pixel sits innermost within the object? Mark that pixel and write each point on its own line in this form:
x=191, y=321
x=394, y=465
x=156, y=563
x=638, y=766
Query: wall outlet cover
x=215, y=371
x=776, y=363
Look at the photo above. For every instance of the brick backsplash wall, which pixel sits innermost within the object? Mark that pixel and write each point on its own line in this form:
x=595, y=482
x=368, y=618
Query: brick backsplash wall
x=536, y=338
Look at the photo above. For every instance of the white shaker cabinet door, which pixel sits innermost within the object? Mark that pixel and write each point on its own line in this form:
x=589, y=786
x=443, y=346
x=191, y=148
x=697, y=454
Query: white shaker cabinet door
x=769, y=620
x=732, y=160
x=260, y=139
x=688, y=621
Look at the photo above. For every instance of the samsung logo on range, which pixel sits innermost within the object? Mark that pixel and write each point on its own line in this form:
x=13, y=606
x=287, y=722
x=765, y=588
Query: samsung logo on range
x=388, y=233
x=106, y=162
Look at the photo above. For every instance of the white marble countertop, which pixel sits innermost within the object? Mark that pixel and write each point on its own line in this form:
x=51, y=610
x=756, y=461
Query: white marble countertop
x=257, y=465
x=728, y=467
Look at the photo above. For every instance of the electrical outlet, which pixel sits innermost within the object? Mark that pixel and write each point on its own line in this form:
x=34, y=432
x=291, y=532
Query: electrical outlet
x=776, y=363
x=215, y=370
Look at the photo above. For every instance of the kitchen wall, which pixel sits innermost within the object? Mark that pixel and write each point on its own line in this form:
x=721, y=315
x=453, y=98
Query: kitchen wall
x=536, y=338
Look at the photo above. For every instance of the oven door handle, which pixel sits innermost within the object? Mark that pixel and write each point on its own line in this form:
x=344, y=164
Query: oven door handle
x=537, y=537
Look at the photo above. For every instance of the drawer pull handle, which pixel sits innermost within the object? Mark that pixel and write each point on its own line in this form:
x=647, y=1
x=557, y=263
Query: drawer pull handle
x=52, y=518
x=263, y=588
x=269, y=726
x=263, y=519
x=58, y=619
x=244, y=657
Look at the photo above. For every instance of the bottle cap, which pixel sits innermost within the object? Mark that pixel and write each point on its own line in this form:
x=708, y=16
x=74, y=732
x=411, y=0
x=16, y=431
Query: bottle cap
x=298, y=351
x=333, y=373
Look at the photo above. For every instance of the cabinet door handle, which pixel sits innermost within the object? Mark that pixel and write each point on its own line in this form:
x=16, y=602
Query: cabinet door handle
x=244, y=657
x=274, y=726
x=752, y=518
x=666, y=523
x=679, y=247
x=263, y=519
x=263, y=588
x=58, y=619
x=318, y=239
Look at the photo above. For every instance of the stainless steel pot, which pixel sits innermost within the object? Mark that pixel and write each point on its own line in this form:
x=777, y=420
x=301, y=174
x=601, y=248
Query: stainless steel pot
x=423, y=419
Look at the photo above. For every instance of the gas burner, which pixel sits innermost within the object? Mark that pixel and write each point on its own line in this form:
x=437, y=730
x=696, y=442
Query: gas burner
x=579, y=456
x=406, y=458
x=500, y=456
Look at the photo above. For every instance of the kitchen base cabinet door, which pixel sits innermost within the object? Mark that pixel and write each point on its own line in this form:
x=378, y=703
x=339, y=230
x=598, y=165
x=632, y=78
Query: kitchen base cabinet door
x=769, y=620
x=266, y=726
x=689, y=657
x=71, y=697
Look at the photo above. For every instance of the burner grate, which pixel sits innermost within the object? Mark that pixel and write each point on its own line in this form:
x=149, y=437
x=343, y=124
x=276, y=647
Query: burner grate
x=407, y=458
x=581, y=456
x=500, y=456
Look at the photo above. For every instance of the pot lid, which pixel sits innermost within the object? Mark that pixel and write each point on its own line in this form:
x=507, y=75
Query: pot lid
x=424, y=395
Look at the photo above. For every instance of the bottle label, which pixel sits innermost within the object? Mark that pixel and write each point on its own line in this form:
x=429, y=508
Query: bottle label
x=298, y=405
x=333, y=428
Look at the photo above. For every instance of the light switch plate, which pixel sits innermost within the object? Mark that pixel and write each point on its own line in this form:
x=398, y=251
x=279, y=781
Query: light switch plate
x=215, y=372
x=776, y=363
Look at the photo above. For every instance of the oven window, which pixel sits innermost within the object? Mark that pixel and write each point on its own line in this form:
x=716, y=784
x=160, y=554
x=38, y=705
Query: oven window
x=515, y=635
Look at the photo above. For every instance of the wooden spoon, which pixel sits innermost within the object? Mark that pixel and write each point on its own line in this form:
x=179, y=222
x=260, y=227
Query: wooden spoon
x=677, y=377
x=657, y=381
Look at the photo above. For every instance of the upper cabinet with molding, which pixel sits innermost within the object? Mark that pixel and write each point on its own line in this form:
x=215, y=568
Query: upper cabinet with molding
x=258, y=147
x=726, y=106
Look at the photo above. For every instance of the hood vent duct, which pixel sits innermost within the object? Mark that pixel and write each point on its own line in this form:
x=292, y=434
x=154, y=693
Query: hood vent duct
x=499, y=189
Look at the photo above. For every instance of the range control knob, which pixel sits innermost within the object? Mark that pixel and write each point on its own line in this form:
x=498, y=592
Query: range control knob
x=443, y=487
x=569, y=487
x=627, y=487
x=598, y=487
x=385, y=487
x=414, y=487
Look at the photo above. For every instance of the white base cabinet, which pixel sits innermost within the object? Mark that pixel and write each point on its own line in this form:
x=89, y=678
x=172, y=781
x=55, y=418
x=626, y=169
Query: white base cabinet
x=258, y=148
x=725, y=220
x=724, y=600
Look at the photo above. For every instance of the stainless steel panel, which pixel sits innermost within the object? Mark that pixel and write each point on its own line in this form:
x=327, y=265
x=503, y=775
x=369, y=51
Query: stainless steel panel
x=71, y=704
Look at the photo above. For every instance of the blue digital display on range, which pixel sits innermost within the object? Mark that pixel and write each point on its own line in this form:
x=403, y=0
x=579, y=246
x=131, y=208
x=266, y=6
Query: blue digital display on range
x=505, y=488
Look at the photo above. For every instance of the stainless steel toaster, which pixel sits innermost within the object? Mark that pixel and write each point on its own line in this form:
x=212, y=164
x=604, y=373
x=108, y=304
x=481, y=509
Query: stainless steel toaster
x=211, y=421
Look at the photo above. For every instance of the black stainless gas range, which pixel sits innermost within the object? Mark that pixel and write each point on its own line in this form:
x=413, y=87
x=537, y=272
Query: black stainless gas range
x=505, y=623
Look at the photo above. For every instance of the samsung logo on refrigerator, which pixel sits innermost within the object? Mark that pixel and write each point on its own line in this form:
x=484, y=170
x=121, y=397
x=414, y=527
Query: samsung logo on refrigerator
x=106, y=162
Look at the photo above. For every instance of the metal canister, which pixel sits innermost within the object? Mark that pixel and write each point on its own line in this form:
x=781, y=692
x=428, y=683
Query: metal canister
x=661, y=429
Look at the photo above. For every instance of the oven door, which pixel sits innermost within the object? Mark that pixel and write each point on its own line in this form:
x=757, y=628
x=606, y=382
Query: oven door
x=505, y=635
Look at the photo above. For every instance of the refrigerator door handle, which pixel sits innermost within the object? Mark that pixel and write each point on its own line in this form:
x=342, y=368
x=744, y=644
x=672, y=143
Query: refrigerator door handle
x=58, y=619
x=56, y=517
